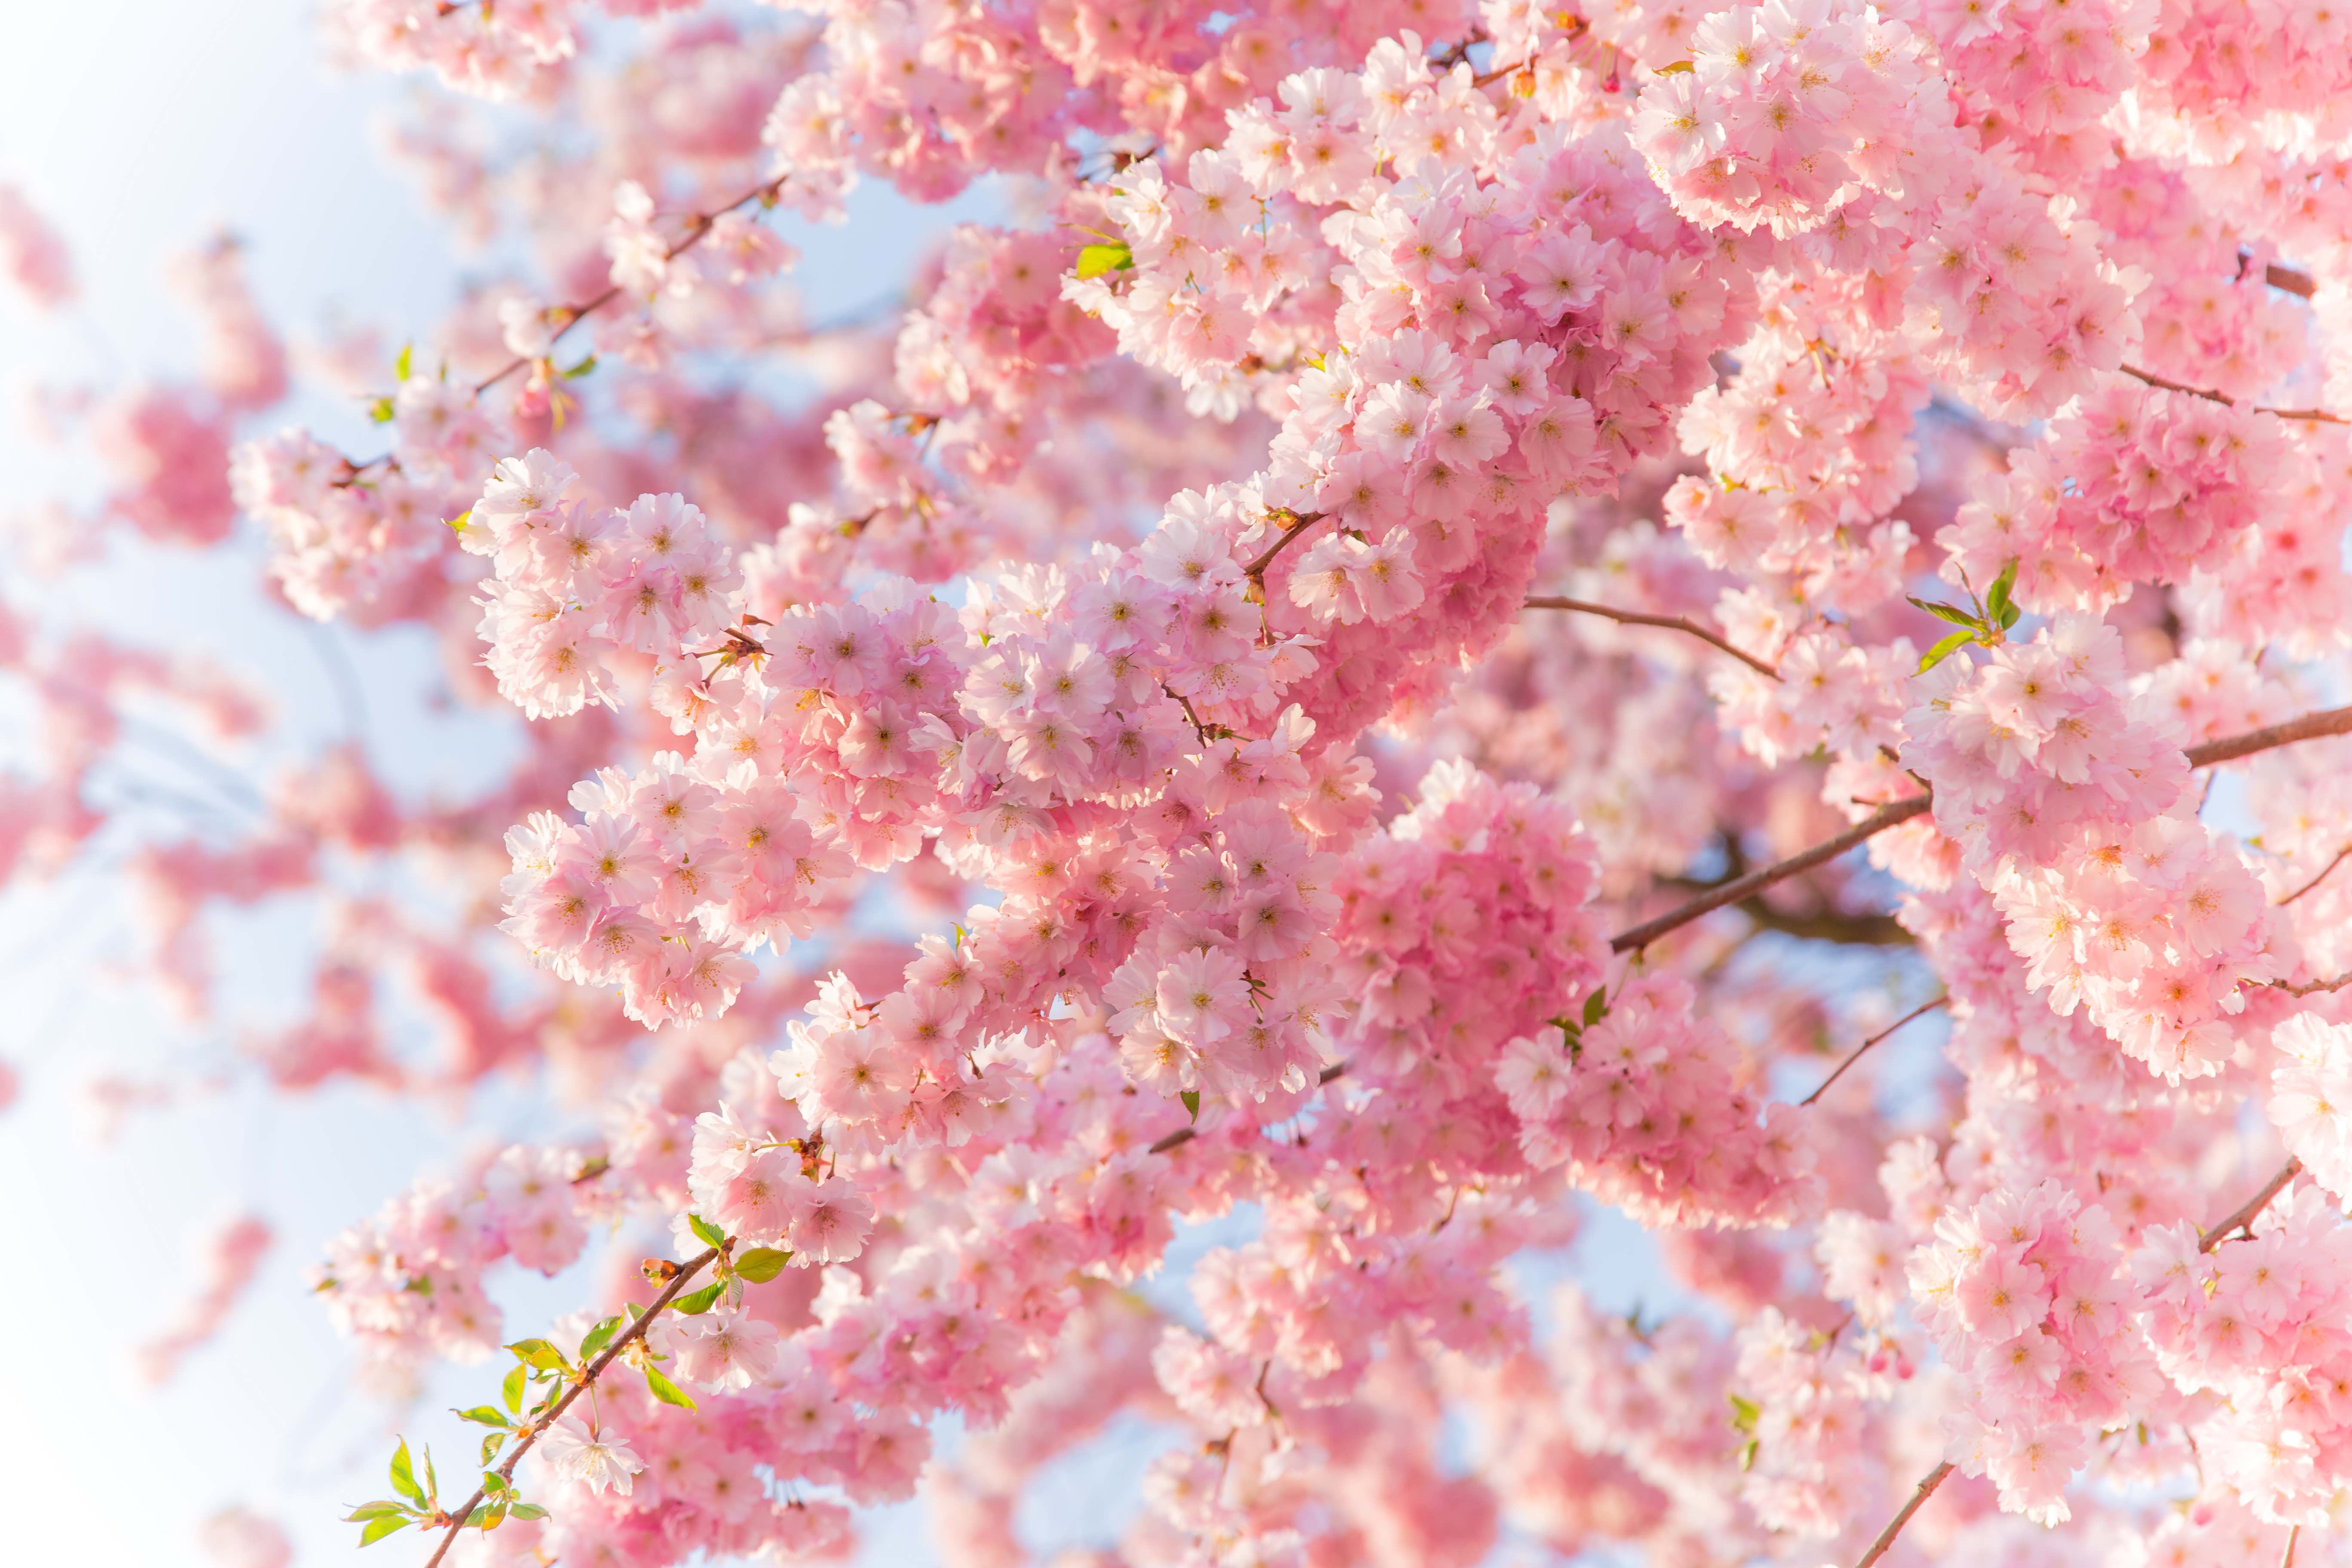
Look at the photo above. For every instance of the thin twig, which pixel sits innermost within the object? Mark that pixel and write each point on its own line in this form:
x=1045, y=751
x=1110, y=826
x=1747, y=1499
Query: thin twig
x=1927, y=1489
x=2309, y=727
x=2243, y=1217
x=1184, y=1135
x=1642, y=618
x=696, y=230
x=2286, y=1559
x=2308, y=986
x=1921, y=1011
x=2299, y=893
x=2212, y=395
x=588, y=1376
x=1256, y=570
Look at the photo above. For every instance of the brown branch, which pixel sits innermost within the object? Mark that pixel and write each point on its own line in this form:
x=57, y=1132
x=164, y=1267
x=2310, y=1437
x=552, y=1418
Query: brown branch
x=2308, y=986
x=2243, y=1217
x=1927, y=1489
x=589, y=1374
x=2309, y=727
x=1642, y=618
x=2318, y=415
x=1921, y=1011
x=1742, y=888
x=1300, y=523
x=1829, y=925
x=2289, y=279
x=696, y=232
x=2331, y=866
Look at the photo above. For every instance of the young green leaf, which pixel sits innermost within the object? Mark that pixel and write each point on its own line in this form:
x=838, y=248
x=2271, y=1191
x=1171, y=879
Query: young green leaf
x=2009, y=614
x=1596, y=1008
x=379, y=1528
x=710, y=1234
x=378, y=1509
x=512, y=1389
x=491, y=1443
x=1679, y=67
x=599, y=1337
x=699, y=1301
x=380, y=411
x=1192, y=1098
x=484, y=1416
x=582, y=368
x=1951, y=613
x=1093, y=260
x=1744, y=1413
x=762, y=1264
x=537, y=1354
x=1997, y=596
x=404, y=1475
x=667, y=1392
x=1945, y=650
x=528, y=1511
x=400, y=366
x=432, y=1483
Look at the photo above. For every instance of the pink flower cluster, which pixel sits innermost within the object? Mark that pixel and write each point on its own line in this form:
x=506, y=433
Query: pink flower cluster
x=2254, y=1333
x=1647, y=1109
x=2134, y=484
x=2024, y=1294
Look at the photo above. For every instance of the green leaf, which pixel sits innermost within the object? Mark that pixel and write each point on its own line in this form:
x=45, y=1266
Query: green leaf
x=528, y=1511
x=699, y=1301
x=400, y=366
x=762, y=1264
x=1997, y=596
x=710, y=1234
x=459, y=522
x=379, y=1528
x=599, y=1337
x=667, y=1392
x=1945, y=650
x=432, y=1484
x=537, y=1354
x=2009, y=614
x=1192, y=1098
x=496, y=1514
x=1093, y=260
x=376, y=1509
x=1679, y=68
x=1744, y=1413
x=491, y=1443
x=494, y=1483
x=380, y=411
x=404, y=1475
x=512, y=1390
x=1596, y=1008
x=1747, y=1455
x=484, y=1416
x=582, y=368
x=1951, y=613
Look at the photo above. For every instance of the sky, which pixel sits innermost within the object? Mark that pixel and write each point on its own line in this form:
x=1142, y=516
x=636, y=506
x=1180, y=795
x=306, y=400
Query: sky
x=142, y=127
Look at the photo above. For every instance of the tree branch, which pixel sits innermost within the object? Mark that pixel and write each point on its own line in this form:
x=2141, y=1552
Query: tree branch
x=2309, y=727
x=2212, y=395
x=2243, y=1217
x=1256, y=570
x=2331, y=866
x=2289, y=279
x=1921, y=1011
x=1927, y=1489
x=1668, y=623
x=589, y=1374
